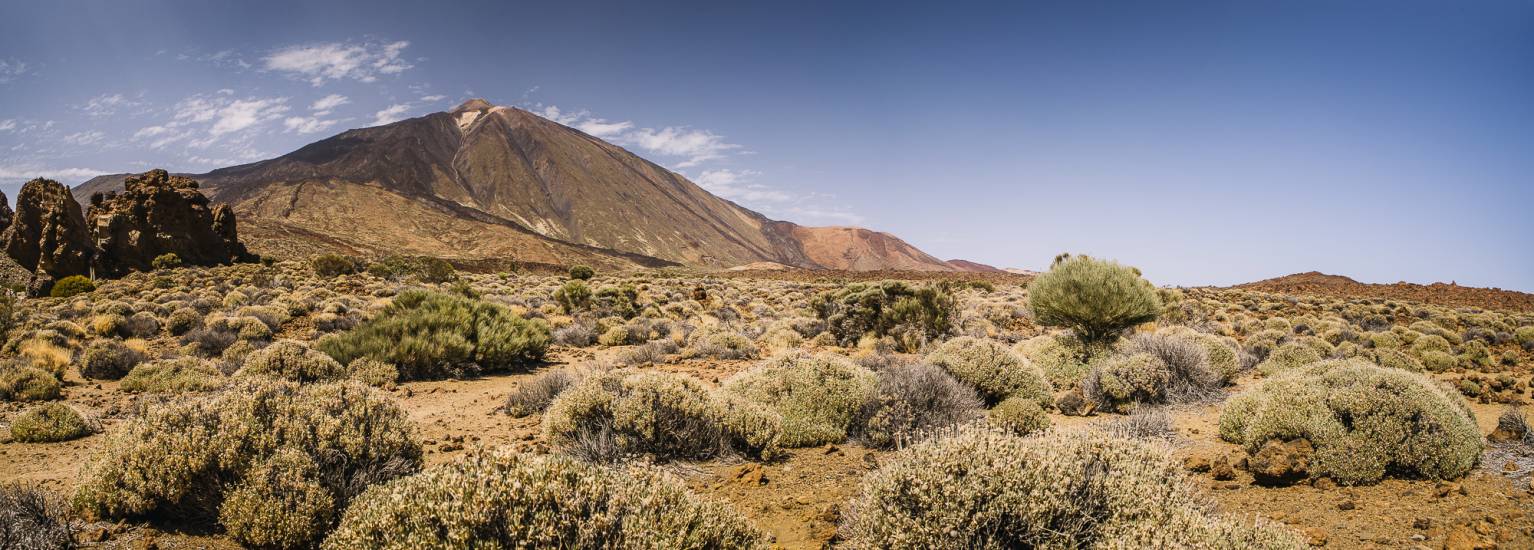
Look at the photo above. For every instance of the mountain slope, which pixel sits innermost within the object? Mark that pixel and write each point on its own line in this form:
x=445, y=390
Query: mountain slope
x=1444, y=294
x=496, y=182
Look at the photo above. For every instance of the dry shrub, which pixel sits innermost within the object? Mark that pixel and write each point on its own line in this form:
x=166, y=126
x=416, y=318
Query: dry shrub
x=178, y=375
x=992, y=369
x=816, y=395
x=293, y=361
x=50, y=423
x=910, y=401
x=653, y=413
x=502, y=499
x=985, y=489
x=31, y=518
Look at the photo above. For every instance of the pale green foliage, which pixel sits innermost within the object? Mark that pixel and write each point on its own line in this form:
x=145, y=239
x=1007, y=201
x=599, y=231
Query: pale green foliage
x=293, y=361
x=983, y=489
x=1363, y=420
x=50, y=423
x=183, y=456
x=373, y=372
x=1289, y=356
x=992, y=369
x=816, y=396
x=502, y=499
x=909, y=401
x=1063, y=358
x=1222, y=352
x=280, y=504
x=1019, y=416
x=182, y=374
x=573, y=296
x=1525, y=336
x=1096, y=299
x=1124, y=380
x=434, y=334
x=1431, y=342
x=1396, y=359
x=658, y=413
x=1438, y=361
x=719, y=343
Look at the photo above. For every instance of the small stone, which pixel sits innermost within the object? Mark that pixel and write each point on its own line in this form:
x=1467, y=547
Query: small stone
x=1422, y=524
x=1281, y=462
x=1347, y=505
x=1198, y=464
x=1221, y=469
x=751, y=474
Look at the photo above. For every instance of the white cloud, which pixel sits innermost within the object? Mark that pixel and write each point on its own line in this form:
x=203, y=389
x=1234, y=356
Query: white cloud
x=7, y=125
x=27, y=171
x=12, y=69
x=737, y=186
x=84, y=138
x=433, y=98
x=817, y=215
x=202, y=120
x=394, y=113
x=244, y=113
x=306, y=125
x=323, y=106
x=694, y=146
x=320, y=63
x=106, y=105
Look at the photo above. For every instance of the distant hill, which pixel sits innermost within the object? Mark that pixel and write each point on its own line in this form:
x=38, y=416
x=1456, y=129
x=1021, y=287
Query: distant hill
x=976, y=267
x=485, y=182
x=1444, y=294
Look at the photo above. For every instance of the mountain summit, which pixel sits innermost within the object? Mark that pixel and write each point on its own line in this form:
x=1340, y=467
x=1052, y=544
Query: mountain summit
x=484, y=182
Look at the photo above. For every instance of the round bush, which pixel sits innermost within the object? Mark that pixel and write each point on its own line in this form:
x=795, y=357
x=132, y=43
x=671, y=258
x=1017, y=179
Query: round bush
x=910, y=401
x=582, y=272
x=1289, y=356
x=1125, y=380
x=373, y=373
x=19, y=383
x=182, y=321
x=1094, y=298
x=625, y=412
x=816, y=396
x=187, y=458
x=72, y=285
x=992, y=369
x=1063, y=358
x=985, y=489
x=435, y=335
x=502, y=499
x=1364, y=421
x=49, y=423
x=1019, y=416
x=293, y=361
x=168, y=260
x=108, y=359
x=1438, y=361
x=178, y=375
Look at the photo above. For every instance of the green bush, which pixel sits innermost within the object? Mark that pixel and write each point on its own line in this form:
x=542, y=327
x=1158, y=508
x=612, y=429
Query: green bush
x=1096, y=299
x=1364, y=421
x=179, y=375
x=182, y=321
x=992, y=369
x=911, y=315
x=49, y=423
x=335, y=265
x=911, y=401
x=168, y=260
x=1019, y=416
x=190, y=458
x=108, y=359
x=435, y=334
x=816, y=396
x=573, y=296
x=1438, y=361
x=1126, y=380
x=22, y=383
x=424, y=269
x=72, y=285
x=1063, y=358
x=501, y=499
x=293, y=361
x=1289, y=356
x=582, y=272
x=719, y=343
x=985, y=489
x=609, y=415
x=1525, y=337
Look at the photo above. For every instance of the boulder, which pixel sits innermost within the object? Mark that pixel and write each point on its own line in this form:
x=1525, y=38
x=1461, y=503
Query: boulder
x=1281, y=462
x=155, y=214
x=47, y=235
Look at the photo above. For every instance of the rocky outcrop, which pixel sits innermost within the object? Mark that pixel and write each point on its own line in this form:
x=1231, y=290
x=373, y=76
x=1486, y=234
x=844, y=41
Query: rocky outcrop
x=6, y=214
x=1281, y=462
x=155, y=214
x=47, y=235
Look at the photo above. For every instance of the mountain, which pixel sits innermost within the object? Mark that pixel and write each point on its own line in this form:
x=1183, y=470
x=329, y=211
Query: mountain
x=975, y=267
x=488, y=182
x=1444, y=294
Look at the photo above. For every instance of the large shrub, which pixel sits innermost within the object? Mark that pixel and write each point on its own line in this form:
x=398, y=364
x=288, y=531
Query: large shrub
x=435, y=334
x=1096, y=299
x=187, y=459
x=910, y=401
x=913, y=315
x=623, y=412
x=293, y=361
x=502, y=499
x=24, y=383
x=1063, y=358
x=178, y=375
x=72, y=285
x=992, y=369
x=987, y=490
x=334, y=265
x=1154, y=368
x=582, y=272
x=816, y=396
x=1363, y=421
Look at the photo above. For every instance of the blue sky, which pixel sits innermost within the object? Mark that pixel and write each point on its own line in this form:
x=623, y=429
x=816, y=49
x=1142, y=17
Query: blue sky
x=1207, y=143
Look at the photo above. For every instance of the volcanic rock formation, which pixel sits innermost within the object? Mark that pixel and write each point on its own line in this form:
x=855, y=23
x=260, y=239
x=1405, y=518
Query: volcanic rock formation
x=156, y=214
x=47, y=235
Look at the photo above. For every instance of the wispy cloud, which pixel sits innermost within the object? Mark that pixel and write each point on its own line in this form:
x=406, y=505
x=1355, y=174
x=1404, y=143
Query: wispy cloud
x=738, y=186
x=27, y=171
x=12, y=69
x=323, y=106
x=694, y=146
x=204, y=119
x=84, y=138
x=105, y=105
x=7, y=125
x=306, y=125
x=390, y=114
x=321, y=63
